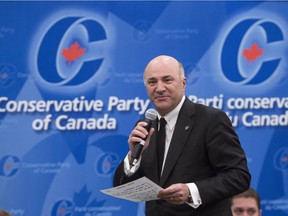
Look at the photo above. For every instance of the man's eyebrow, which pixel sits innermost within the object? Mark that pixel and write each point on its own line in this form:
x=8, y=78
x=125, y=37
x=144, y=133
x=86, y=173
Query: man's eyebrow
x=164, y=77
x=167, y=76
x=151, y=78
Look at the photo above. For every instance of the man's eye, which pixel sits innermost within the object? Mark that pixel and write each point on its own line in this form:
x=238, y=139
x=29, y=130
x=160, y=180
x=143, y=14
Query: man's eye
x=151, y=82
x=238, y=211
x=168, y=80
x=251, y=211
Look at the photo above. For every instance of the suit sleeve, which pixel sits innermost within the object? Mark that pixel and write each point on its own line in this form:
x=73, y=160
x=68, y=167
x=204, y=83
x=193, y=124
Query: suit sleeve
x=227, y=159
x=120, y=176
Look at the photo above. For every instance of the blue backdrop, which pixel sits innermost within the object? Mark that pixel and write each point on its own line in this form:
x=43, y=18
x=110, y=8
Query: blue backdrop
x=71, y=91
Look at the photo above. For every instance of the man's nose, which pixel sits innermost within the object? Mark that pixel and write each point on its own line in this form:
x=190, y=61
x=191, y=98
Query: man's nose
x=160, y=86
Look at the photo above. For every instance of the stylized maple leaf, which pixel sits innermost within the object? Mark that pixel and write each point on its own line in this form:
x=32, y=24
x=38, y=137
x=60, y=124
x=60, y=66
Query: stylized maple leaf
x=253, y=52
x=73, y=53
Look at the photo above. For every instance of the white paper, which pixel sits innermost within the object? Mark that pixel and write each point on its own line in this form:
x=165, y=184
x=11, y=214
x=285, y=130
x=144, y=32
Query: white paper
x=140, y=190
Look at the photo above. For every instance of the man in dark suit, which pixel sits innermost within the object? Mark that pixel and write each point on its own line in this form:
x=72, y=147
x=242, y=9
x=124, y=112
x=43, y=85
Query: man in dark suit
x=203, y=165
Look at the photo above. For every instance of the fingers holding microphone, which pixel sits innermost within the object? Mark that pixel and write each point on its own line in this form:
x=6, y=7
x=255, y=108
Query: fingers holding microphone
x=139, y=135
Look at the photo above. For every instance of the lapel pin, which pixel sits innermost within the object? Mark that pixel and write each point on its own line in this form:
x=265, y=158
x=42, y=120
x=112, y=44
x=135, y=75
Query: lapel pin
x=186, y=127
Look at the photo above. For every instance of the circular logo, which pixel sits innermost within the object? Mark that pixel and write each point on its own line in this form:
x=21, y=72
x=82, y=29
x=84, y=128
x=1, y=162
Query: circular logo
x=9, y=165
x=247, y=55
x=71, y=52
x=8, y=75
x=141, y=31
x=107, y=163
x=281, y=159
x=63, y=208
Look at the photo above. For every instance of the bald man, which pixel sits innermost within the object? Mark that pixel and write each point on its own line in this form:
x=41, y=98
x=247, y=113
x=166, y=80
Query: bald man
x=202, y=164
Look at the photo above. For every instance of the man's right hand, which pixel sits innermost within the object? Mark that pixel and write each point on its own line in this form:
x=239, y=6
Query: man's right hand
x=137, y=134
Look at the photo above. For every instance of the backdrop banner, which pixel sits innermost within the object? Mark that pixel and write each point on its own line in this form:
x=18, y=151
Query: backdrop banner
x=71, y=90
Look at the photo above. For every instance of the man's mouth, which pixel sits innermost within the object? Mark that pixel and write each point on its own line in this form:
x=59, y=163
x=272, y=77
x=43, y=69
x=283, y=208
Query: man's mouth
x=161, y=97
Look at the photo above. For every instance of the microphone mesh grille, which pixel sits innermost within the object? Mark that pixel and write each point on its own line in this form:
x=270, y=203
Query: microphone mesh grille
x=151, y=114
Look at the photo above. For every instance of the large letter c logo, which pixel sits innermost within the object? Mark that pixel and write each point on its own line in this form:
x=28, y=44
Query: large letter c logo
x=48, y=64
x=231, y=51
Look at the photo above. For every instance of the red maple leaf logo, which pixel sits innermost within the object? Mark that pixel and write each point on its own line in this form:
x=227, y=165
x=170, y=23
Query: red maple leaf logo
x=73, y=53
x=253, y=52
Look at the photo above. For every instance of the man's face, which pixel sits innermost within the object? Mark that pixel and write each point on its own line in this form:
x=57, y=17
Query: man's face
x=164, y=86
x=245, y=207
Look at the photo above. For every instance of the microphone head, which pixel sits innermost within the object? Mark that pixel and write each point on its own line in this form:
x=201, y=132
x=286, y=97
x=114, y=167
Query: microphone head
x=151, y=114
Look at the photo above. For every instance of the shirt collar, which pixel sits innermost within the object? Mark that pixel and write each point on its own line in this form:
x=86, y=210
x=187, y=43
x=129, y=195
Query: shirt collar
x=172, y=116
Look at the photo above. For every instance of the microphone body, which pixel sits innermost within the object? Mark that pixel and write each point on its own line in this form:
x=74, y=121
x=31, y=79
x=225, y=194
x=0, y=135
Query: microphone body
x=150, y=116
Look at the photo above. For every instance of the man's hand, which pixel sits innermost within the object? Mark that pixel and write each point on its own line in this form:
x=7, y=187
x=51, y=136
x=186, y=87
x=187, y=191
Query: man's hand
x=137, y=134
x=176, y=194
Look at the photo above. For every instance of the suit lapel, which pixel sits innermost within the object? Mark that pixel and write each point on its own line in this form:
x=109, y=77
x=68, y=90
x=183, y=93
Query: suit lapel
x=181, y=133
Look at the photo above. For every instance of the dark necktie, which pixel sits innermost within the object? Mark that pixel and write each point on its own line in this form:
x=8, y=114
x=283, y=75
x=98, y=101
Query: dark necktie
x=161, y=143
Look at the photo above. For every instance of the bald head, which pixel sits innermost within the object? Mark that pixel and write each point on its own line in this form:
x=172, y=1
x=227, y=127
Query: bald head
x=159, y=62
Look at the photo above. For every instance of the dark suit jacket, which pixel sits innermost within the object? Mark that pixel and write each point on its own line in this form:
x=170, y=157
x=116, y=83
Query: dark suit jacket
x=205, y=150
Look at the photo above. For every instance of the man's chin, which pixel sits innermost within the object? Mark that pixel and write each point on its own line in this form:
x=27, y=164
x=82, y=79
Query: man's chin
x=161, y=106
x=162, y=100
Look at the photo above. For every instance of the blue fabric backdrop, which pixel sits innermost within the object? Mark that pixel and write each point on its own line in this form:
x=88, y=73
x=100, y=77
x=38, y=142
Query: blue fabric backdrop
x=71, y=90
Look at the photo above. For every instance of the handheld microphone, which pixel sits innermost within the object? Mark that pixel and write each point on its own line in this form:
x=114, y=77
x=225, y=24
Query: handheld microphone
x=150, y=116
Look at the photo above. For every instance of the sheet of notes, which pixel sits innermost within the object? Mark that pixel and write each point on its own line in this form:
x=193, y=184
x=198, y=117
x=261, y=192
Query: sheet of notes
x=140, y=190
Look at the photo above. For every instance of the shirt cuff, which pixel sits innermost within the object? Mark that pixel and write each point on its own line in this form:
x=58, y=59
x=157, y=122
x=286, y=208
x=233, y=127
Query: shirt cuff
x=128, y=169
x=195, y=195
